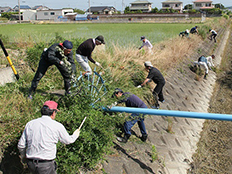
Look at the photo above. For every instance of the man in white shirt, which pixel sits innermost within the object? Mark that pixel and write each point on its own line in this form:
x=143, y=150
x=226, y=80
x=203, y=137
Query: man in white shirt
x=37, y=145
x=146, y=44
x=213, y=35
x=206, y=62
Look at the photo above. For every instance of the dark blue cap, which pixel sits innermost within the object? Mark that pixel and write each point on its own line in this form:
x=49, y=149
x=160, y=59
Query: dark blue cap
x=67, y=44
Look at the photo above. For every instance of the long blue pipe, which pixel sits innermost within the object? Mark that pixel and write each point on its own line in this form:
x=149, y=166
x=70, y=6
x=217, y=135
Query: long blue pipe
x=172, y=113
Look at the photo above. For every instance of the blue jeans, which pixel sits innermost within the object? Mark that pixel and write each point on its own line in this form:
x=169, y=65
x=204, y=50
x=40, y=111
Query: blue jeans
x=129, y=124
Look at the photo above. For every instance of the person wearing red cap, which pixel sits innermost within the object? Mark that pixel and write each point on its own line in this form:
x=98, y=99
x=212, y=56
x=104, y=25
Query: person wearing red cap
x=84, y=53
x=60, y=55
x=37, y=145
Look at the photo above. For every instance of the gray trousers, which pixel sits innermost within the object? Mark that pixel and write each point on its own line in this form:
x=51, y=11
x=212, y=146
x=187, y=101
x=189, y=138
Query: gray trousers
x=48, y=167
x=83, y=61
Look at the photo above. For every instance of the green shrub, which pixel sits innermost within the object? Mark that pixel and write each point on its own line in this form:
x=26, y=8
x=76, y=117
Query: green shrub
x=96, y=135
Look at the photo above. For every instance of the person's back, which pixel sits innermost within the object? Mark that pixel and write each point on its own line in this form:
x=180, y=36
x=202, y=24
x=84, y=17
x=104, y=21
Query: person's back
x=86, y=48
x=194, y=30
x=48, y=131
x=155, y=75
x=132, y=100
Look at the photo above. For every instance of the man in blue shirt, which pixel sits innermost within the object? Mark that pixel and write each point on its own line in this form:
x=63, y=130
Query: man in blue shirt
x=131, y=100
x=194, y=30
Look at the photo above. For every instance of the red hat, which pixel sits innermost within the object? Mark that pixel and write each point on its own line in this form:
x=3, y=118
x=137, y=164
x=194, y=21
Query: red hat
x=51, y=105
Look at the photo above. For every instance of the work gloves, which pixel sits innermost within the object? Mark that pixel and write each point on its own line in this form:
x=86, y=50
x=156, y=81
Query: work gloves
x=76, y=132
x=98, y=64
x=112, y=105
x=139, y=86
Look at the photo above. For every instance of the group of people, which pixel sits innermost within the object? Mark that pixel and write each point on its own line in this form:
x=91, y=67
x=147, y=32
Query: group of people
x=61, y=55
x=37, y=145
x=194, y=30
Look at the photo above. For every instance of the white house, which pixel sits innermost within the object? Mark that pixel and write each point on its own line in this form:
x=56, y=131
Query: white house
x=202, y=4
x=52, y=14
x=172, y=4
x=29, y=15
x=144, y=6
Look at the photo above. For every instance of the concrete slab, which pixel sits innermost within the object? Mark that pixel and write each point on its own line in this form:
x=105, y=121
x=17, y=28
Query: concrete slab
x=6, y=76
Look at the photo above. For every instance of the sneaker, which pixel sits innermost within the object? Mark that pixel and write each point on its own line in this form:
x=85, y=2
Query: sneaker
x=30, y=97
x=155, y=107
x=162, y=101
x=122, y=139
x=67, y=93
x=144, y=137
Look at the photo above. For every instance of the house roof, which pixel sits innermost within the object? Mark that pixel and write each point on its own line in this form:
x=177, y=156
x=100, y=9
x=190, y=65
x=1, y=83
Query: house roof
x=172, y=1
x=202, y=1
x=141, y=2
x=22, y=7
x=6, y=9
x=99, y=8
x=39, y=7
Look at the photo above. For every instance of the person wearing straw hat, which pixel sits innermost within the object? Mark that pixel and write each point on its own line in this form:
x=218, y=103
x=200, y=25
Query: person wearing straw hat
x=84, y=53
x=37, y=145
x=155, y=75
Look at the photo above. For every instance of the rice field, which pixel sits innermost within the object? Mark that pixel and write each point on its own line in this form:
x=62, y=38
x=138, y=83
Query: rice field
x=123, y=34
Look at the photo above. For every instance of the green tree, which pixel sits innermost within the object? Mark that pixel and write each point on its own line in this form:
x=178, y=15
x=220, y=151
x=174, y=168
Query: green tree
x=188, y=7
x=155, y=10
x=127, y=10
x=8, y=14
x=78, y=11
x=219, y=5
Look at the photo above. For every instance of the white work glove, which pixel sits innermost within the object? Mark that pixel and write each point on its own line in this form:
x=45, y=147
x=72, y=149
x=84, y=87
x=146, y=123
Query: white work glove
x=61, y=62
x=139, y=86
x=45, y=49
x=97, y=63
x=76, y=132
x=112, y=105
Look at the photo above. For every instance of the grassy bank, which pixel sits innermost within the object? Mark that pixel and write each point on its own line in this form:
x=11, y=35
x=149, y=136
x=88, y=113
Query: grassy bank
x=124, y=69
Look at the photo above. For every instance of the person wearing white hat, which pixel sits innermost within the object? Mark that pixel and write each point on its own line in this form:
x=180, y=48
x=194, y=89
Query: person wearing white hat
x=155, y=75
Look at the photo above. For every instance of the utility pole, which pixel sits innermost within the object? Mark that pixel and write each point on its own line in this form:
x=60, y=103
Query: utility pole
x=19, y=12
x=89, y=7
x=122, y=5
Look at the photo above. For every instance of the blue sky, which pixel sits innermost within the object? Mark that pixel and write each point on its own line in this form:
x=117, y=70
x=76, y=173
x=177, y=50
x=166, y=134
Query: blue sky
x=83, y=4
